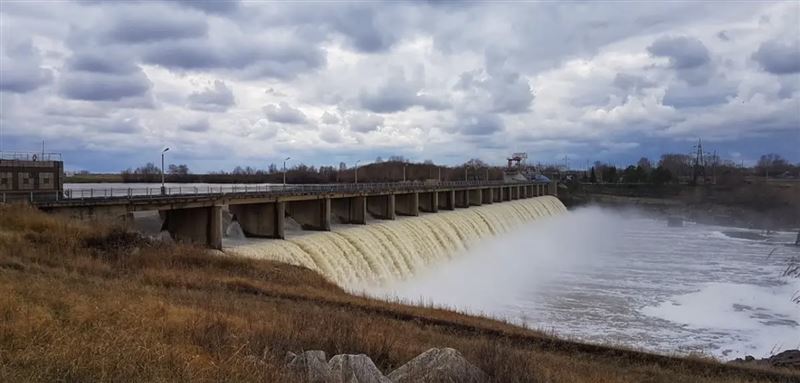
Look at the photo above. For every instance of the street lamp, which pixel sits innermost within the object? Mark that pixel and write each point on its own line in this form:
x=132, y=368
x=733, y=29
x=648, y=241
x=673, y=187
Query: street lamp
x=163, y=188
x=357, y=171
x=404, y=172
x=284, y=170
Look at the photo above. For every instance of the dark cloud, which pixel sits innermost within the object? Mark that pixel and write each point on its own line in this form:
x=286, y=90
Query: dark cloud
x=688, y=56
x=284, y=113
x=103, y=62
x=479, y=125
x=150, y=24
x=248, y=57
x=217, y=99
x=779, y=57
x=631, y=82
x=21, y=68
x=679, y=95
x=211, y=6
x=683, y=52
x=92, y=86
x=199, y=126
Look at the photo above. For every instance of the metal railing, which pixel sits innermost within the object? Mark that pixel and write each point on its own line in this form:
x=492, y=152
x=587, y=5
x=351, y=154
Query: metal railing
x=30, y=156
x=100, y=194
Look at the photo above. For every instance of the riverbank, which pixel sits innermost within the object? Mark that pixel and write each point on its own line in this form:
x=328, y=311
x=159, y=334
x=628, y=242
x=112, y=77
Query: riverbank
x=765, y=206
x=84, y=303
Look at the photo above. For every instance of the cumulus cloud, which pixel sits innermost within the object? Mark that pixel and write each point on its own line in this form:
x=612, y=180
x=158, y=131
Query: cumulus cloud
x=100, y=86
x=497, y=91
x=398, y=93
x=284, y=113
x=688, y=56
x=329, y=118
x=479, y=125
x=779, y=56
x=199, y=126
x=217, y=99
x=364, y=122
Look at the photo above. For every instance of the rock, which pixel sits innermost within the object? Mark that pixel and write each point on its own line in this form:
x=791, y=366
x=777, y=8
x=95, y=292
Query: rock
x=438, y=365
x=788, y=358
x=310, y=366
x=355, y=369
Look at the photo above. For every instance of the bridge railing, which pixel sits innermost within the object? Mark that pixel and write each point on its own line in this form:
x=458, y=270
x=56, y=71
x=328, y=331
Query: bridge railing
x=222, y=190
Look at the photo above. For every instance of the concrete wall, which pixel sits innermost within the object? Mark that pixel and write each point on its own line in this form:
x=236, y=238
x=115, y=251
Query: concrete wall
x=429, y=202
x=381, y=206
x=447, y=199
x=497, y=194
x=475, y=197
x=407, y=204
x=351, y=210
x=311, y=214
x=201, y=225
x=18, y=179
x=261, y=219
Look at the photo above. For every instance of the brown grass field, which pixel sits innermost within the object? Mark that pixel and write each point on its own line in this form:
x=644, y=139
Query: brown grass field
x=96, y=304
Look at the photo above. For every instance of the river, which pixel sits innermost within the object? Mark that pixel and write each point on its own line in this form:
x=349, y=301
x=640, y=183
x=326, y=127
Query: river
x=623, y=278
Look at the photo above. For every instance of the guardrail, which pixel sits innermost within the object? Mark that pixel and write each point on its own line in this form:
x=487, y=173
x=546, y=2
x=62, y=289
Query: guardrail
x=222, y=190
x=30, y=156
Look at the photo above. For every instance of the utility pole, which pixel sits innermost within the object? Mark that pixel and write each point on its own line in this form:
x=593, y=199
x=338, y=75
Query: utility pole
x=284, y=170
x=404, y=172
x=356, y=175
x=163, y=187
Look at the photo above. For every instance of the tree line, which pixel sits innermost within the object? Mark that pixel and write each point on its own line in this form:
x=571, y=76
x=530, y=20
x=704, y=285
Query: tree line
x=670, y=168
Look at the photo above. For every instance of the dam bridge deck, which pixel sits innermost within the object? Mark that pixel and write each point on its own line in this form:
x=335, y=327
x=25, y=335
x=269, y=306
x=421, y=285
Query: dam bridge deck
x=195, y=214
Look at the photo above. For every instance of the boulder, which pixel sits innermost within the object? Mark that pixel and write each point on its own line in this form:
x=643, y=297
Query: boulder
x=438, y=365
x=309, y=366
x=354, y=369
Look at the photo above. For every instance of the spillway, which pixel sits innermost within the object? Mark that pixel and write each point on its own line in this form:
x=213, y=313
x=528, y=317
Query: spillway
x=394, y=250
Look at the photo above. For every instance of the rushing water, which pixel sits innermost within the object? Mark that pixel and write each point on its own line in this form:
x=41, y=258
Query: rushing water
x=592, y=274
x=601, y=276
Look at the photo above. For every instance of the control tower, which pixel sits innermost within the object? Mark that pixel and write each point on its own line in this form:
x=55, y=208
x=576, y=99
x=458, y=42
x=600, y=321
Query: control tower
x=26, y=176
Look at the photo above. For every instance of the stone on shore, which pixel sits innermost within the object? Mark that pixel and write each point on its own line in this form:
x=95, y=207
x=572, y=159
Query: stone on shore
x=438, y=365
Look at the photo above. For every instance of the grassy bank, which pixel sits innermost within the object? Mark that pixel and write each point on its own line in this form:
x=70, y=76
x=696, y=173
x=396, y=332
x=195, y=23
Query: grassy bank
x=91, y=303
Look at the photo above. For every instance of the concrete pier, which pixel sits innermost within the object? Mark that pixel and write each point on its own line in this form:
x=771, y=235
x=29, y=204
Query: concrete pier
x=381, y=206
x=201, y=225
x=407, y=204
x=447, y=199
x=312, y=214
x=260, y=219
x=497, y=194
x=462, y=198
x=487, y=196
x=429, y=202
x=350, y=210
x=475, y=197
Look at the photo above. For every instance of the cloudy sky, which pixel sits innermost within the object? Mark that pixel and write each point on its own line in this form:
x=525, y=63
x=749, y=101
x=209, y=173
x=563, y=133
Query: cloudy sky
x=225, y=83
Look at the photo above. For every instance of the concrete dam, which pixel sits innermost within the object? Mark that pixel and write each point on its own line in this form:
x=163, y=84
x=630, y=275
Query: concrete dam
x=393, y=250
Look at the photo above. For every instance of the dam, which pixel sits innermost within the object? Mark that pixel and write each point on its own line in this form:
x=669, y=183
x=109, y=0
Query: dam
x=196, y=216
x=394, y=250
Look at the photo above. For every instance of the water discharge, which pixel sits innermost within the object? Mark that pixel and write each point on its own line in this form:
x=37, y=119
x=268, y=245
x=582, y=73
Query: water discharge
x=384, y=251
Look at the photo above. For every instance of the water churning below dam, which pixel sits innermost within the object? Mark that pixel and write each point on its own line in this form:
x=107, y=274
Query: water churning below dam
x=383, y=251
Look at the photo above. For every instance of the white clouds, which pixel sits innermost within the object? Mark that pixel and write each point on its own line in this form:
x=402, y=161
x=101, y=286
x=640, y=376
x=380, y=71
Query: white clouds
x=401, y=77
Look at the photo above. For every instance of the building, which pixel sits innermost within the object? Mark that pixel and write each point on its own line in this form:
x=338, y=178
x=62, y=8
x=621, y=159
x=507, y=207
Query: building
x=31, y=176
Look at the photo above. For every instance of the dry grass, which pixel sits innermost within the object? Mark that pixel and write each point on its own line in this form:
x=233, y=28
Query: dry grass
x=81, y=303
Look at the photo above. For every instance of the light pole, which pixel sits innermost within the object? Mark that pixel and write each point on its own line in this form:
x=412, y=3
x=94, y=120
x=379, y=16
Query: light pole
x=404, y=172
x=284, y=170
x=357, y=171
x=163, y=187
